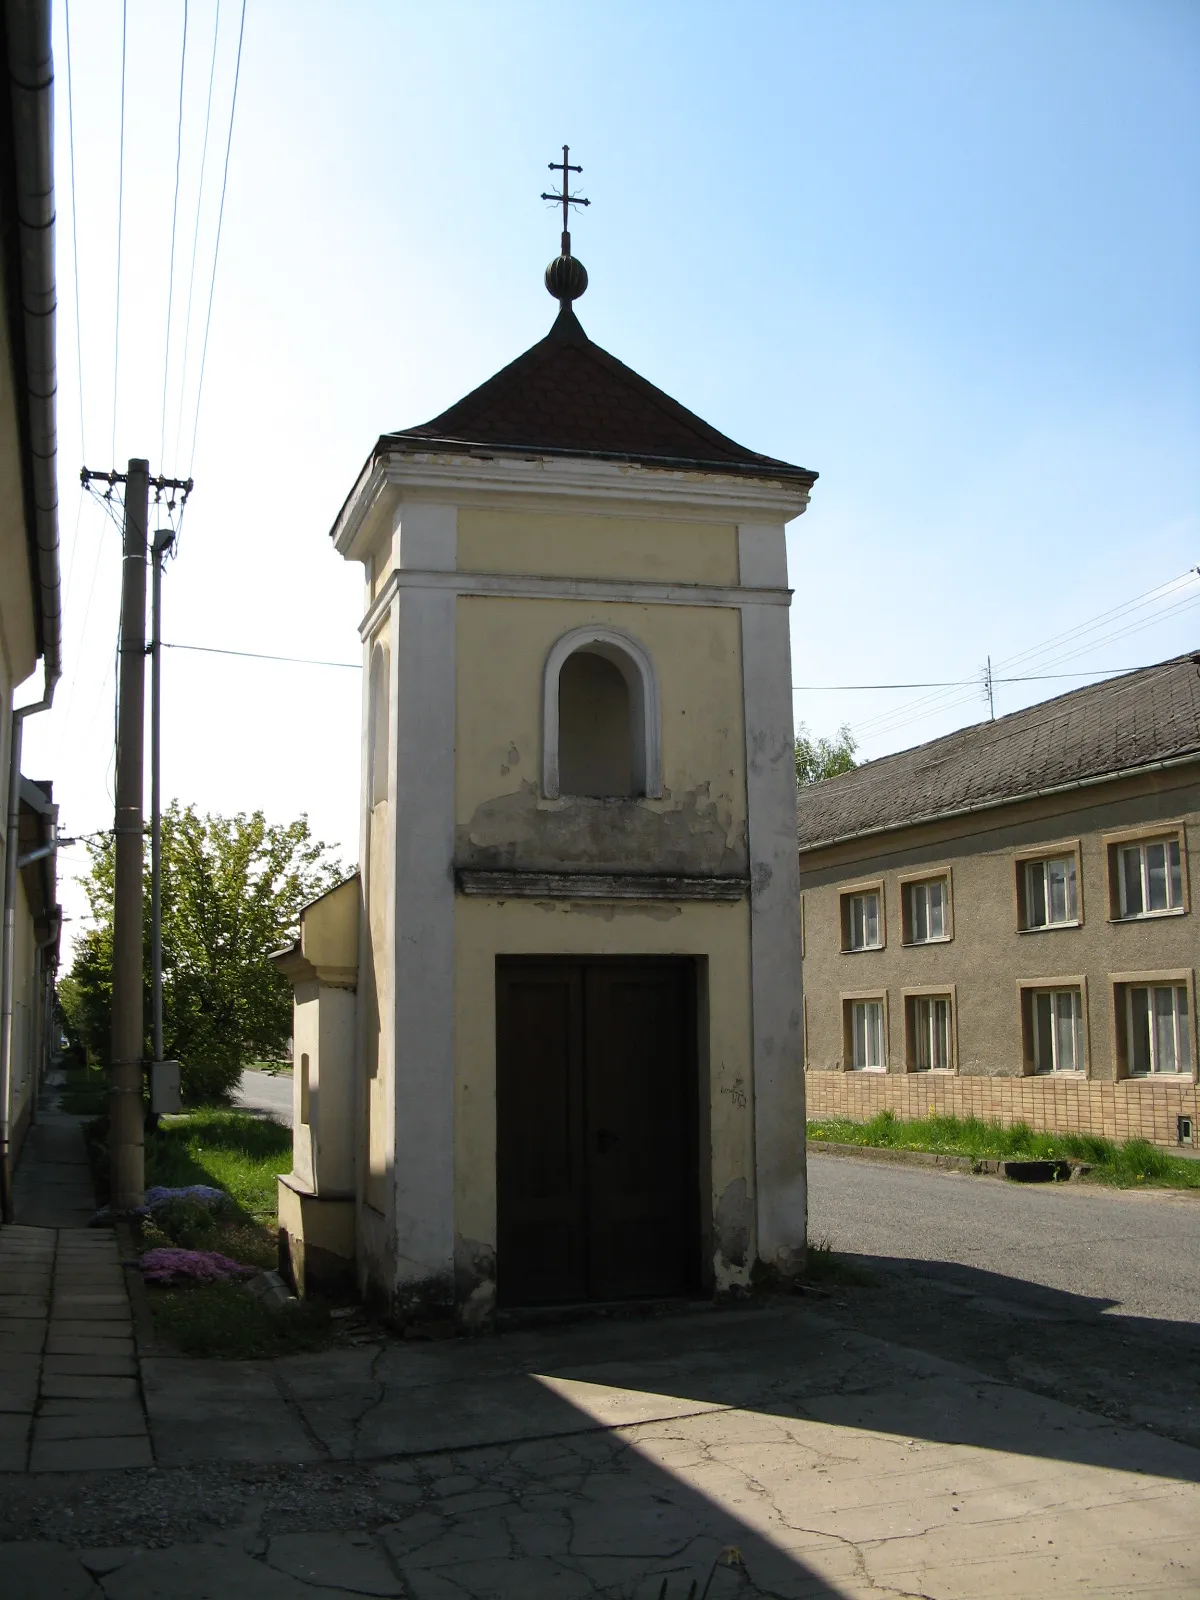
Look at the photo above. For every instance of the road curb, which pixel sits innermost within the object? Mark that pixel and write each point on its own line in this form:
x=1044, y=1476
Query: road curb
x=1015, y=1171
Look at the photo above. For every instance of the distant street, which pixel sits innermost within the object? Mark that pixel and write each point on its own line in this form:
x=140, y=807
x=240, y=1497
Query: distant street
x=1139, y=1251
x=268, y=1093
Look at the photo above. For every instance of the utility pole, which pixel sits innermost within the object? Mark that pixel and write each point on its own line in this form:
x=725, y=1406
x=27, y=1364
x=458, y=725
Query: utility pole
x=126, y=1162
x=164, y=1075
x=989, y=681
x=125, y=1116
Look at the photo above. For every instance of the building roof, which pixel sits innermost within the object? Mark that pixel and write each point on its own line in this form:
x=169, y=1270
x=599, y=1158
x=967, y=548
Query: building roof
x=1113, y=727
x=567, y=396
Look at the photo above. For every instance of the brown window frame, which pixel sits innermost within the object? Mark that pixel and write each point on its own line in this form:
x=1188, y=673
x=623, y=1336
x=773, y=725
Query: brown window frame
x=1055, y=850
x=930, y=991
x=907, y=881
x=1027, y=988
x=845, y=895
x=1149, y=833
x=849, y=1000
x=1161, y=977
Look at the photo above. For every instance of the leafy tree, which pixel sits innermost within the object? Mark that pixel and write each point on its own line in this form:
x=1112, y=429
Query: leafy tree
x=232, y=892
x=817, y=759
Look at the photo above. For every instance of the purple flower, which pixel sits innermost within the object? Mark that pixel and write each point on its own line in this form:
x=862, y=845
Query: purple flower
x=168, y=1264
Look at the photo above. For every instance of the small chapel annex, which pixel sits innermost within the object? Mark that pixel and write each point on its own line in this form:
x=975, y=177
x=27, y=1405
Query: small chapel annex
x=548, y=1043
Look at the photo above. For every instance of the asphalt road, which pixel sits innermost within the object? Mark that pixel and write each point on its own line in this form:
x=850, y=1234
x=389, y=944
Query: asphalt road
x=268, y=1093
x=1138, y=1252
x=1084, y=1294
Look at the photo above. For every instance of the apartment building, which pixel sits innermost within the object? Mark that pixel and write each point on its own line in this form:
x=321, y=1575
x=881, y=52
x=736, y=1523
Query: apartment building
x=999, y=923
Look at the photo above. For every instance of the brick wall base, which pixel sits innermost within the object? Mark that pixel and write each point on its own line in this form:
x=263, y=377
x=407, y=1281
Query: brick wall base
x=1124, y=1110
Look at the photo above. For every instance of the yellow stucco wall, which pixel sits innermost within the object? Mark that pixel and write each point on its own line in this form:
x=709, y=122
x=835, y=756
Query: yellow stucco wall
x=698, y=825
x=577, y=546
x=377, y=997
x=486, y=929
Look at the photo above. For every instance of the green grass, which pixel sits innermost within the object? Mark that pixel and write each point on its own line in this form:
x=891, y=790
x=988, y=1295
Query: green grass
x=1135, y=1163
x=232, y=1150
x=221, y=1319
x=242, y=1154
x=825, y=1269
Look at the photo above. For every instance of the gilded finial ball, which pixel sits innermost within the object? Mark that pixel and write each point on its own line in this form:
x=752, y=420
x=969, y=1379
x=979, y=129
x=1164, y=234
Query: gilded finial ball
x=566, y=278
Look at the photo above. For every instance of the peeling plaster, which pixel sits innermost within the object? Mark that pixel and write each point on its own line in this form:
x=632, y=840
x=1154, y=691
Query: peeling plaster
x=474, y=1282
x=612, y=911
x=733, y=1218
x=423, y=1305
x=686, y=833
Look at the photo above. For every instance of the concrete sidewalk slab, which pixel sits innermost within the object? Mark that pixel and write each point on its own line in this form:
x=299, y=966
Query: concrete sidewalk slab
x=24, y=1337
x=607, y=1458
x=93, y=1364
x=338, y=1560
x=107, y=1454
x=49, y=1570
x=221, y=1411
x=15, y=1428
x=19, y=1381
x=205, y=1572
x=65, y=1386
x=92, y=1419
x=100, y=1343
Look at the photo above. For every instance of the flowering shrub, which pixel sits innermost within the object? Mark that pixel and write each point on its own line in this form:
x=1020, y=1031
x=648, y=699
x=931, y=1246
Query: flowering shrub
x=168, y=1265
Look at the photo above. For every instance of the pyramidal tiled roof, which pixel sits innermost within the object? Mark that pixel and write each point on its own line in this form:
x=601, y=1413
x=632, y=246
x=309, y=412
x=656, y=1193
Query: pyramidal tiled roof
x=1115, y=726
x=567, y=396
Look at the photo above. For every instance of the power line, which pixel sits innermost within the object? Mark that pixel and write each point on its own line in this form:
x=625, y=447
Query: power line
x=258, y=655
x=237, y=72
x=962, y=683
x=1092, y=624
x=74, y=552
x=883, y=727
x=120, y=224
x=162, y=442
x=938, y=702
x=187, y=323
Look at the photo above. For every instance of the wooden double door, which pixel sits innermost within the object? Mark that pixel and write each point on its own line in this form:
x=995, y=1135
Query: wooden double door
x=596, y=1129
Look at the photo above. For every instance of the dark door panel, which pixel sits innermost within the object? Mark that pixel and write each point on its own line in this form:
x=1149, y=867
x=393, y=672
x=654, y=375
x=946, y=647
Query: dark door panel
x=595, y=1129
x=539, y=1128
x=635, y=1065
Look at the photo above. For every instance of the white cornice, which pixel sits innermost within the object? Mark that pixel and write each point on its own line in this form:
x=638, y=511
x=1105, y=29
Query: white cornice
x=510, y=482
x=636, y=591
x=355, y=517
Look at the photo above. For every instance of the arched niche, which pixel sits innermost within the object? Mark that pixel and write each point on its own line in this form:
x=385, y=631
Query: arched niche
x=602, y=660
x=379, y=725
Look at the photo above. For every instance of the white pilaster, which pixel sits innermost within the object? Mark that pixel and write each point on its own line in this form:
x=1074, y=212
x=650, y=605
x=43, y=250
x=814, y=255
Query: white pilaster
x=423, y=643
x=776, y=1003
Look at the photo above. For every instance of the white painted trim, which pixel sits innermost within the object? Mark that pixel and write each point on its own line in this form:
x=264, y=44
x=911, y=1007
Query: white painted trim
x=762, y=555
x=633, y=662
x=483, y=479
x=424, y=536
x=776, y=997
x=635, y=591
x=421, y=931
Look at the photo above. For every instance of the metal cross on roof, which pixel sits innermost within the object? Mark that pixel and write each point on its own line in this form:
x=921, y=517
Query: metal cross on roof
x=566, y=198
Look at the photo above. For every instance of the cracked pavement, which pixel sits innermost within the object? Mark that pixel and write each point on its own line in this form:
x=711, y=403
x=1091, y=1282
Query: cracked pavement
x=604, y=1458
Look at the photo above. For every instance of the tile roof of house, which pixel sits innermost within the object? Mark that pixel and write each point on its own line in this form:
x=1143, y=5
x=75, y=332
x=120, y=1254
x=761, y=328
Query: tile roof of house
x=1120, y=724
x=567, y=396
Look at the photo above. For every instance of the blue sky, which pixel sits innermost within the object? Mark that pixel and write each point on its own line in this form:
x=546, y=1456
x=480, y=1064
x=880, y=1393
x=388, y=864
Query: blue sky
x=943, y=253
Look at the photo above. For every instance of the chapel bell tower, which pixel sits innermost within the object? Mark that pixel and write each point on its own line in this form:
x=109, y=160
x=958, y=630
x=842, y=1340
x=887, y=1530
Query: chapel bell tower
x=578, y=1060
